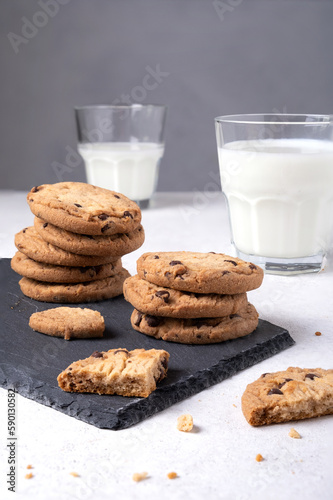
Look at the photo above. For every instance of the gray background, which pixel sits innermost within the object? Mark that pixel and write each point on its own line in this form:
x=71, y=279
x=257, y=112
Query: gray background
x=260, y=56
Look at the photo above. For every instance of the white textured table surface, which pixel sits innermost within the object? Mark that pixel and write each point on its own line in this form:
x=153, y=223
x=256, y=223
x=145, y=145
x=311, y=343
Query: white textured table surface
x=217, y=459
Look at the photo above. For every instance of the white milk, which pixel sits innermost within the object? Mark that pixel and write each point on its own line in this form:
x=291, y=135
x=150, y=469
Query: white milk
x=280, y=195
x=126, y=167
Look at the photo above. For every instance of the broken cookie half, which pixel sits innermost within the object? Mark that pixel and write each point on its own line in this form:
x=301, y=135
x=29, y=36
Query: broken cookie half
x=117, y=371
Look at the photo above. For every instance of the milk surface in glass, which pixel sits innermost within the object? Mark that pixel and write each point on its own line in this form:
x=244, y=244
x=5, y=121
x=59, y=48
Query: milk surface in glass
x=280, y=195
x=130, y=168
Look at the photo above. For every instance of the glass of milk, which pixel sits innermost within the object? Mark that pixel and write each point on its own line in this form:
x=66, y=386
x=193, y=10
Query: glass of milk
x=122, y=146
x=277, y=176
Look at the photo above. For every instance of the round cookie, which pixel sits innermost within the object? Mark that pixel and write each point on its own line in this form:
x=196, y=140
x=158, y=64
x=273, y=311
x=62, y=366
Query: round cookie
x=116, y=244
x=200, y=272
x=83, y=208
x=160, y=301
x=68, y=322
x=197, y=331
x=76, y=292
x=31, y=244
x=23, y=265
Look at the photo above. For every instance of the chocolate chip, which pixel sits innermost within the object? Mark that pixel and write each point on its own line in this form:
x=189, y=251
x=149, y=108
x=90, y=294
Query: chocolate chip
x=156, y=257
x=274, y=391
x=24, y=230
x=164, y=362
x=96, y=354
x=167, y=274
x=121, y=350
x=175, y=263
x=116, y=196
x=212, y=253
x=78, y=205
x=225, y=272
x=163, y=294
x=285, y=381
x=31, y=200
x=45, y=224
x=102, y=216
x=152, y=321
x=232, y=262
x=264, y=374
x=106, y=227
x=199, y=322
x=128, y=214
x=198, y=336
x=35, y=189
x=84, y=269
x=252, y=266
x=311, y=376
x=138, y=319
x=234, y=316
x=144, y=274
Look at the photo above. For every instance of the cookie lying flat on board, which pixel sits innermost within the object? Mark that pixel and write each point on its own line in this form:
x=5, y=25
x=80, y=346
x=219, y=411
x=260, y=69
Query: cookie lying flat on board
x=23, y=265
x=68, y=322
x=31, y=244
x=293, y=394
x=117, y=244
x=199, y=330
x=200, y=272
x=117, y=371
x=161, y=301
x=73, y=293
x=83, y=208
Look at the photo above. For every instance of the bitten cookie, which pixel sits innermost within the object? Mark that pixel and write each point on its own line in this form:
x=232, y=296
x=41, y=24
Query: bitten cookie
x=23, y=265
x=83, y=208
x=73, y=293
x=116, y=244
x=68, y=322
x=160, y=301
x=200, y=272
x=31, y=244
x=118, y=371
x=293, y=394
x=197, y=331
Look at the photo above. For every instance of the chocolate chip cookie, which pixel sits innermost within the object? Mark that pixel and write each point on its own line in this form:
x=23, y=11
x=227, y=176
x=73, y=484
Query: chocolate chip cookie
x=200, y=272
x=117, y=371
x=23, y=265
x=161, y=301
x=84, y=209
x=197, y=331
x=116, y=244
x=68, y=322
x=293, y=394
x=31, y=244
x=73, y=293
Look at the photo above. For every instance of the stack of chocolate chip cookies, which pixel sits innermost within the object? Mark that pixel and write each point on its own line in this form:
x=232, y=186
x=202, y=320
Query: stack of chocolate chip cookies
x=193, y=298
x=73, y=252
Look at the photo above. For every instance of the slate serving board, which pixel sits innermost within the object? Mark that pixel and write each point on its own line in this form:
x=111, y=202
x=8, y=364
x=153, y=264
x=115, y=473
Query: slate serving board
x=30, y=362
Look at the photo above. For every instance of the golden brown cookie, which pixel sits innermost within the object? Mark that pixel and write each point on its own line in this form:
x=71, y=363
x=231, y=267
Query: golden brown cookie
x=117, y=371
x=161, y=301
x=68, y=322
x=293, y=394
x=73, y=293
x=23, y=265
x=197, y=331
x=116, y=244
x=200, y=272
x=31, y=244
x=83, y=208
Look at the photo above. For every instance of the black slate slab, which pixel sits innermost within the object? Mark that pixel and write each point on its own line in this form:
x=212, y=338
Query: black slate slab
x=30, y=362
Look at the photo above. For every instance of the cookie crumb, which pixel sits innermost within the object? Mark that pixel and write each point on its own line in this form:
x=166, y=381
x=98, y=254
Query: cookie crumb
x=294, y=434
x=139, y=476
x=233, y=404
x=185, y=423
x=172, y=475
x=318, y=334
x=74, y=474
x=259, y=458
x=29, y=466
x=29, y=476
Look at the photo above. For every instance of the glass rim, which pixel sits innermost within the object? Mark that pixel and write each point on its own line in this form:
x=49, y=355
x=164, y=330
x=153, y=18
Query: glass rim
x=119, y=106
x=258, y=119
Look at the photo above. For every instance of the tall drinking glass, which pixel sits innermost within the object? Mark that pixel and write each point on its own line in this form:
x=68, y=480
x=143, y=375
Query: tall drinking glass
x=277, y=175
x=122, y=147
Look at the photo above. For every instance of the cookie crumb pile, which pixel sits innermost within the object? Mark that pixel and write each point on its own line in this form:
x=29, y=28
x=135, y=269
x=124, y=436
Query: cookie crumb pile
x=73, y=252
x=193, y=298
